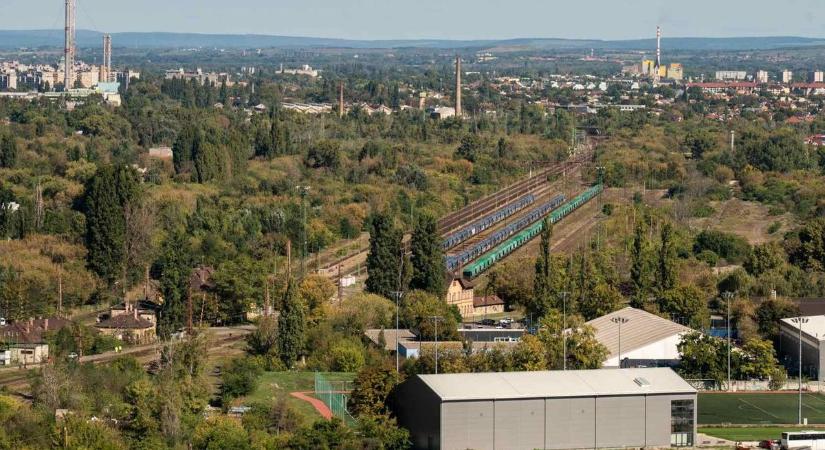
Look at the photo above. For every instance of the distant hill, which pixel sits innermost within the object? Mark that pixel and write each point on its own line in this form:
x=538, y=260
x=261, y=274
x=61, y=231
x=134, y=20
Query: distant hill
x=13, y=39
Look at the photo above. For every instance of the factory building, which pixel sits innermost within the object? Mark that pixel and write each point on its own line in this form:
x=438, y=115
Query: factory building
x=607, y=408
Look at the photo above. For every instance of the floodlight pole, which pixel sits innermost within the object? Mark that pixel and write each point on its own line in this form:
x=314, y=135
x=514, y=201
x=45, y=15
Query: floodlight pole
x=619, y=321
x=397, y=295
x=435, y=320
x=799, y=321
x=564, y=295
x=728, y=296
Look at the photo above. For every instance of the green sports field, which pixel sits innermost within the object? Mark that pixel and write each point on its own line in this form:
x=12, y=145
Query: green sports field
x=759, y=408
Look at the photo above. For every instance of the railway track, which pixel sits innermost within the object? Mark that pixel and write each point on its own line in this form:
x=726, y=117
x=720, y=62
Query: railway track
x=464, y=216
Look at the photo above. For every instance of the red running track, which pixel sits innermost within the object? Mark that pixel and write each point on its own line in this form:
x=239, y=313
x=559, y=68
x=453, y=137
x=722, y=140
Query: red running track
x=319, y=406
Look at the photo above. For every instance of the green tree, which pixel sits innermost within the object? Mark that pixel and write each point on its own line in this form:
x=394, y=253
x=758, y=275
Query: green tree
x=371, y=389
x=427, y=257
x=324, y=434
x=239, y=377
x=8, y=150
x=418, y=311
x=705, y=357
x=764, y=258
x=543, y=291
x=758, y=360
x=699, y=142
x=639, y=268
x=470, y=147
x=220, y=433
x=604, y=299
x=584, y=351
x=174, y=267
x=108, y=194
x=685, y=304
x=384, y=259
x=324, y=155
x=667, y=260
x=291, y=326
x=770, y=312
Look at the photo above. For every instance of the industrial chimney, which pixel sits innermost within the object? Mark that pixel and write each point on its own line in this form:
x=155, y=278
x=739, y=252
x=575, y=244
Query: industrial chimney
x=69, y=49
x=341, y=99
x=458, y=86
x=107, y=58
x=658, y=52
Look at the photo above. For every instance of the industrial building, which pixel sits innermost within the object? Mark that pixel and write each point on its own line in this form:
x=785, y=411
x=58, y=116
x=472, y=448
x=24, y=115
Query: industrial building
x=607, y=408
x=813, y=348
x=640, y=338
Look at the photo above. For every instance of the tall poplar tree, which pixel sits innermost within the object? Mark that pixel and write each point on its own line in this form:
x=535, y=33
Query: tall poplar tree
x=291, y=326
x=8, y=150
x=667, y=260
x=107, y=195
x=384, y=259
x=638, y=267
x=543, y=282
x=427, y=257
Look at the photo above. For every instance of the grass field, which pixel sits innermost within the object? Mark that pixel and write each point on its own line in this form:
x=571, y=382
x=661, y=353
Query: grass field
x=748, y=433
x=273, y=385
x=759, y=408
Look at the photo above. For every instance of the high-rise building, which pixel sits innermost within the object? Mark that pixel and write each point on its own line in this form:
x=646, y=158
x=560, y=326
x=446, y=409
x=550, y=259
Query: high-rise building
x=816, y=76
x=106, y=67
x=787, y=76
x=675, y=72
x=762, y=76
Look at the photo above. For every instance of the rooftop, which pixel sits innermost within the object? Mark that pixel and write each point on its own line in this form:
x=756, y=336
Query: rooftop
x=549, y=384
x=389, y=337
x=642, y=329
x=126, y=322
x=814, y=327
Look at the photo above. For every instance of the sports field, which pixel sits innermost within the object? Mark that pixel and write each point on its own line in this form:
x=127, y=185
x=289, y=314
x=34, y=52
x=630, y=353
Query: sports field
x=759, y=408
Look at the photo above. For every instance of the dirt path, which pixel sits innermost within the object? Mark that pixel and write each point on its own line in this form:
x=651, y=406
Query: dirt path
x=319, y=406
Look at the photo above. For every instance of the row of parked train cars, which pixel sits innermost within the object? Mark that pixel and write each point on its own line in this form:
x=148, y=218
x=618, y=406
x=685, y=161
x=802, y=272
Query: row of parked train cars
x=478, y=249
x=497, y=246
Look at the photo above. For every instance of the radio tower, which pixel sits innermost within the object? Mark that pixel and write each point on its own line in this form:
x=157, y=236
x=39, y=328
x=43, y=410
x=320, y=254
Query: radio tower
x=458, y=86
x=107, y=58
x=69, y=50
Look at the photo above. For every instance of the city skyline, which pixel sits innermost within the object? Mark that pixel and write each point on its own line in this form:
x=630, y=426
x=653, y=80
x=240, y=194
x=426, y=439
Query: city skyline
x=426, y=19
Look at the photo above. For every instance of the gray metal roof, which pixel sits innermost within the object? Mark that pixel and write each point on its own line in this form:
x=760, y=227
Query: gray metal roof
x=556, y=384
x=813, y=326
x=642, y=329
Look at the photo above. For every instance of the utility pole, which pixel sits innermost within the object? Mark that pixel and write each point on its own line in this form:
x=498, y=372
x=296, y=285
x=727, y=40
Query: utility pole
x=436, y=319
x=564, y=295
x=304, y=190
x=397, y=295
x=620, y=321
x=728, y=296
x=799, y=321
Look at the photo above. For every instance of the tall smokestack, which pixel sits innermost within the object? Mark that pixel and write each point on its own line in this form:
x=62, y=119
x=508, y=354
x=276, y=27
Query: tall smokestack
x=658, y=47
x=458, y=86
x=69, y=49
x=107, y=58
x=341, y=99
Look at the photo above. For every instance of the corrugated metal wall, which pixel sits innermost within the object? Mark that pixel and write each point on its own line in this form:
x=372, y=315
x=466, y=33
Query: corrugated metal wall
x=558, y=423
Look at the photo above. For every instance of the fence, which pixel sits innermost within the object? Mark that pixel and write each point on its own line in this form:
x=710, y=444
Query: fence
x=334, y=394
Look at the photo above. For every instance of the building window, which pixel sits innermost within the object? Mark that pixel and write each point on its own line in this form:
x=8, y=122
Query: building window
x=681, y=423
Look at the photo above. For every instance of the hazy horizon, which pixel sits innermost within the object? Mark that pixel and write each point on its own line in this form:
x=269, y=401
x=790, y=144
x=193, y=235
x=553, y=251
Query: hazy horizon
x=428, y=19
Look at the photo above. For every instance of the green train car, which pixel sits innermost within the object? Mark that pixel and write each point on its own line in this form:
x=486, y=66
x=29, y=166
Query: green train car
x=509, y=246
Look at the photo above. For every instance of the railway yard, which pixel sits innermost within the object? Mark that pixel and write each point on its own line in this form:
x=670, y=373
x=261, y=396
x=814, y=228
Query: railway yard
x=499, y=219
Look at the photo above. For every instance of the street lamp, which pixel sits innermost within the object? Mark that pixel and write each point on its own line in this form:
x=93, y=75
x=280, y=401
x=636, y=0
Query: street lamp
x=436, y=319
x=728, y=296
x=800, y=321
x=398, y=295
x=620, y=321
x=564, y=295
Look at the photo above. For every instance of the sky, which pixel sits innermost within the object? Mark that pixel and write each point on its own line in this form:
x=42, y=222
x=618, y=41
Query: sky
x=432, y=19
